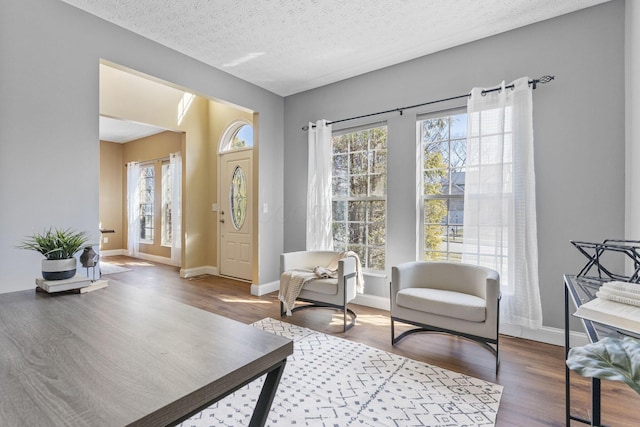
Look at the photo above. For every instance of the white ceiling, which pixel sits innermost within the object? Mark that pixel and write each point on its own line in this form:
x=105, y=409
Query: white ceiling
x=122, y=131
x=289, y=46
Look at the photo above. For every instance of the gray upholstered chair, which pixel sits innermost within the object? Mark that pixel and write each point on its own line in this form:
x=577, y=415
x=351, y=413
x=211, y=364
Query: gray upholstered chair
x=326, y=292
x=455, y=298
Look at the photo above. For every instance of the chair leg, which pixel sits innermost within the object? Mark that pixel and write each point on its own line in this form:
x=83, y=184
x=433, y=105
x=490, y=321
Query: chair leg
x=393, y=334
x=344, y=307
x=344, y=319
x=497, y=352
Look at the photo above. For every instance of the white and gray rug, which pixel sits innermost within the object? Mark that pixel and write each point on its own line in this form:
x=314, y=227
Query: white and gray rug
x=333, y=382
x=109, y=268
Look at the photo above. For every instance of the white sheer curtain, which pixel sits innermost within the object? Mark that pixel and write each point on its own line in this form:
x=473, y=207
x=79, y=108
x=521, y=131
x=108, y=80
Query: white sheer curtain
x=133, y=208
x=319, y=214
x=175, y=165
x=500, y=229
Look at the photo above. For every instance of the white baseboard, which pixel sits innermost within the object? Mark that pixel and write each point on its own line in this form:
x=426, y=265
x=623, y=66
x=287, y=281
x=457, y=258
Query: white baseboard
x=545, y=334
x=198, y=271
x=155, y=258
x=141, y=255
x=113, y=252
x=373, y=301
x=264, y=288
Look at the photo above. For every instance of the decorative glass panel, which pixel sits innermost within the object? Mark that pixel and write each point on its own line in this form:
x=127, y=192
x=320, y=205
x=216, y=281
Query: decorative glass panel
x=238, y=195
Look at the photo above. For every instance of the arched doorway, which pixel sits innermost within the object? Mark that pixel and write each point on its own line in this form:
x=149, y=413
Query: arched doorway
x=236, y=201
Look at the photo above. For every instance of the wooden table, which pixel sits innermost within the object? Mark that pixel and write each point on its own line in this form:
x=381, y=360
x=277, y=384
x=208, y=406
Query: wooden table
x=124, y=356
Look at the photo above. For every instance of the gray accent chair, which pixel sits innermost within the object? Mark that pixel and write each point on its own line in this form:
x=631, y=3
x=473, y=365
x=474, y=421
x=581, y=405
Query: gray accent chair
x=327, y=293
x=454, y=298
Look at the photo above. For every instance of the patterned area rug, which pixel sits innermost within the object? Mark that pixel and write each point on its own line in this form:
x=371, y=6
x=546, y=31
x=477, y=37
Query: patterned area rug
x=108, y=268
x=330, y=381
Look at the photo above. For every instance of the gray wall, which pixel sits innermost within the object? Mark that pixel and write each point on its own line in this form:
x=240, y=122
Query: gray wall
x=578, y=130
x=49, y=148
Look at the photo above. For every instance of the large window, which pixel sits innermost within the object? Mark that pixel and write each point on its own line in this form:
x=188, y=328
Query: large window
x=152, y=203
x=147, y=189
x=359, y=190
x=443, y=139
x=165, y=223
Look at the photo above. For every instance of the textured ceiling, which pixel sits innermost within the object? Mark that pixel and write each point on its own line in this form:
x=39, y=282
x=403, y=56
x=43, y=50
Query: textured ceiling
x=289, y=46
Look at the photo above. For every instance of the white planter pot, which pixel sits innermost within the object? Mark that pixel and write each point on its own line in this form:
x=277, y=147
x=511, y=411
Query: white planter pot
x=58, y=269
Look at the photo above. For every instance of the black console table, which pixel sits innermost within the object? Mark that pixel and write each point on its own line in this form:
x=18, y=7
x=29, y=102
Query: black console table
x=581, y=290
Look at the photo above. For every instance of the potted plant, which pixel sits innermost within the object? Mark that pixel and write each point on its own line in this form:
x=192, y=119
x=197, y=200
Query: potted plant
x=59, y=247
x=609, y=359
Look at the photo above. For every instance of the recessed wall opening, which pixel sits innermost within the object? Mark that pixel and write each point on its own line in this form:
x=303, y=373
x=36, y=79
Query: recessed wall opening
x=146, y=124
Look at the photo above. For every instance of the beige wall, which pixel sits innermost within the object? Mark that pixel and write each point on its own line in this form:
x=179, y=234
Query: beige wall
x=126, y=96
x=111, y=202
x=155, y=148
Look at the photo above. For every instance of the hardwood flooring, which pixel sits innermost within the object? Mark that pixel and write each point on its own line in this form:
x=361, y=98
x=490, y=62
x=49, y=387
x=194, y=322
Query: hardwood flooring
x=532, y=373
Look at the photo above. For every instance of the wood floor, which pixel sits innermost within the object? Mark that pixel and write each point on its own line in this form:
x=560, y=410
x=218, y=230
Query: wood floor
x=532, y=373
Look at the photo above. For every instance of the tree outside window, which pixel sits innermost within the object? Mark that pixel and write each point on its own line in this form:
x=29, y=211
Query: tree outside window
x=443, y=144
x=359, y=188
x=147, y=189
x=165, y=222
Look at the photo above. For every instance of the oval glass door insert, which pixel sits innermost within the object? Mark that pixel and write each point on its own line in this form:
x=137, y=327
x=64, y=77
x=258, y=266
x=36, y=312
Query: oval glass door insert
x=238, y=195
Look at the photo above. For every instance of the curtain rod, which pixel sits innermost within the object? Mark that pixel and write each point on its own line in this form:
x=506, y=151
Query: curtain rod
x=533, y=83
x=142, y=162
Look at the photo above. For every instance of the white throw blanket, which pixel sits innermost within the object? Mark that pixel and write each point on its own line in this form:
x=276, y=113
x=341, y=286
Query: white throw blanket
x=333, y=266
x=292, y=281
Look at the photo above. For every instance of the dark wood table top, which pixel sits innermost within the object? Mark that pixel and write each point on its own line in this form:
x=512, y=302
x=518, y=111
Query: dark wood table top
x=119, y=356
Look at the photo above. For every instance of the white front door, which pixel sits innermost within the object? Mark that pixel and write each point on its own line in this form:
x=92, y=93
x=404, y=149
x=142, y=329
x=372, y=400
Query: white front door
x=235, y=214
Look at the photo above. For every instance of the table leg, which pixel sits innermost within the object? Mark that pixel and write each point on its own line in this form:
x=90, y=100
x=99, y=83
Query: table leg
x=567, y=373
x=595, y=401
x=268, y=392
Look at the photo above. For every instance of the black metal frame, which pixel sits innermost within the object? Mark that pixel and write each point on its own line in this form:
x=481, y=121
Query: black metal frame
x=265, y=399
x=485, y=342
x=570, y=292
x=594, y=252
x=319, y=304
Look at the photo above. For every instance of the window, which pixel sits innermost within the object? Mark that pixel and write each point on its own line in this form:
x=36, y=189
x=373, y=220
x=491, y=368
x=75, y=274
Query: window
x=359, y=190
x=165, y=222
x=237, y=136
x=443, y=147
x=147, y=188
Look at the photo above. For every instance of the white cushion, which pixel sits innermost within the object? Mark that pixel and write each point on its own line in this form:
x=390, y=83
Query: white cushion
x=444, y=303
x=322, y=286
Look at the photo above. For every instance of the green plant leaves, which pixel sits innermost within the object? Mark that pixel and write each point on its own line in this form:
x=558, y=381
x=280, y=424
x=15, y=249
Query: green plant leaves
x=56, y=243
x=609, y=359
